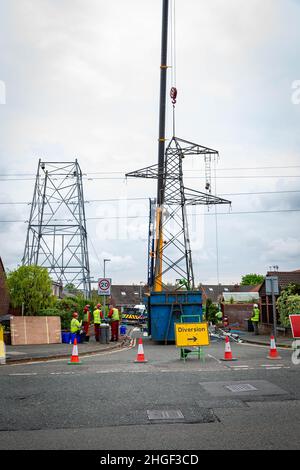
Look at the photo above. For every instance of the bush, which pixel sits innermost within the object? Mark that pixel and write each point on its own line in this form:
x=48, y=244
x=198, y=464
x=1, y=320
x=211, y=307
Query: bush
x=288, y=304
x=64, y=308
x=65, y=316
x=210, y=312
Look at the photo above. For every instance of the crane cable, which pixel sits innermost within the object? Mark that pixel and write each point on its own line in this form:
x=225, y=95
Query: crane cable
x=216, y=226
x=173, y=91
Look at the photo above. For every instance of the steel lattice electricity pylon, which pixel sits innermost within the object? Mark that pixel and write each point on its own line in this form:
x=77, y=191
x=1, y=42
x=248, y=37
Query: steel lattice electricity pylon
x=57, y=235
x=173, y=250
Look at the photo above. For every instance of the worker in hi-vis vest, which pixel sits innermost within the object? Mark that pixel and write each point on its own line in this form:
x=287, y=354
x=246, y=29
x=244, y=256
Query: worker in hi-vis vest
x=76, y=326
x=255, y=318
x=114, y=316
x=86, y=321
x=219, y=316
x=98, y=317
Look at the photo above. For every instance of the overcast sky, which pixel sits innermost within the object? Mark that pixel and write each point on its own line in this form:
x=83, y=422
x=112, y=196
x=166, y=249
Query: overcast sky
x=80, y=79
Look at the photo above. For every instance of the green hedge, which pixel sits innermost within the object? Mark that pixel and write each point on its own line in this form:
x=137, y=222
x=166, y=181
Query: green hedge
x=64, y=308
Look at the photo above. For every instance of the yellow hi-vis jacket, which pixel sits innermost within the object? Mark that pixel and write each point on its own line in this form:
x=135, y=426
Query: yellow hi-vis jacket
x=255, y=315
x=97, y=316
x=75, y=325
x=87, y=317
x=115, y=316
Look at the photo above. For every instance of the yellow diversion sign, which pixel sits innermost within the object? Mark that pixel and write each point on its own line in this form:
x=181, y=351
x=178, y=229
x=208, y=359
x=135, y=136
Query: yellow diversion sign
x=191, y=334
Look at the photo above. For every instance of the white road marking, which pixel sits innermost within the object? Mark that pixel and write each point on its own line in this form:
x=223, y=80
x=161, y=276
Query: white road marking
x=24, y=373
x=265, y=346
x=271, y=365
x=273, y=368
x=239, y=367
x=62, y=373
x=213, y=357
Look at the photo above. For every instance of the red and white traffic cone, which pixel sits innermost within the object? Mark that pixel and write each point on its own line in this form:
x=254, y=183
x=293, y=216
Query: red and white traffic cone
x=140, y=355
x=227, y=352
x=273, y=353
x=74, y=358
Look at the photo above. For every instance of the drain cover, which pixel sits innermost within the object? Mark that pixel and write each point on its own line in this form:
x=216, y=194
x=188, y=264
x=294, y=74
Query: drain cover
x=165, y=414
x=241, y=388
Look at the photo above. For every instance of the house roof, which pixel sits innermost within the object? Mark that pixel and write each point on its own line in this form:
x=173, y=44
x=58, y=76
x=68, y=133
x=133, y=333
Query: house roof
x=127, y=295
x=284, y=279
x=1, y=265
x=214, y=292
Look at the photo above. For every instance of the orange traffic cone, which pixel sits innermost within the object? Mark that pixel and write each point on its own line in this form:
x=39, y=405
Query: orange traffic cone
x=273, y=353
x=140, y=355
x=227, y=352
x=74, y=358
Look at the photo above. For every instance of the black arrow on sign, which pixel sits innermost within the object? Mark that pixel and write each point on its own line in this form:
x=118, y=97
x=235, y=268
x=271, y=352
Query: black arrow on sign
x=192, y=339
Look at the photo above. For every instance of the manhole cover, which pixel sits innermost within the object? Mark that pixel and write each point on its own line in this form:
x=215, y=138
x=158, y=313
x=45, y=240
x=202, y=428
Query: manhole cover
x=241, y=388
x=164, y=414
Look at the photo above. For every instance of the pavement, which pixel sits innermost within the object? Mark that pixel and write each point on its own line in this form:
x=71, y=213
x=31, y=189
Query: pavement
x=42, y=352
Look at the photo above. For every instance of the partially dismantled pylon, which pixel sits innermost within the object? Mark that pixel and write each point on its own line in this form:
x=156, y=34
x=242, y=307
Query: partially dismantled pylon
x=172, y=250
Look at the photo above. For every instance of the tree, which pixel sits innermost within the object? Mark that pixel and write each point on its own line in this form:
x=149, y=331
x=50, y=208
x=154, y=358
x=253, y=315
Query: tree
x=70, y=287
x=31, y=286
x=252, y=279
x=288, y=303
x=211, y=311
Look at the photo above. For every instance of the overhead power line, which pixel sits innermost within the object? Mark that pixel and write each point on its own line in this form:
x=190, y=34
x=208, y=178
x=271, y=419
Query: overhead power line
x=147, y=198
x=146, y=216
x=188, y=177
x=187, y=170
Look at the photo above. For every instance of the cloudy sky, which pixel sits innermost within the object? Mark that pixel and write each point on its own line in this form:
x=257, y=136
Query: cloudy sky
x=80, y=79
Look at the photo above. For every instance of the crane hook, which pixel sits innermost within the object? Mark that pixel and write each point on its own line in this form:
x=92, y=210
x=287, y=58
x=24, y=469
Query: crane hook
x=173, y=94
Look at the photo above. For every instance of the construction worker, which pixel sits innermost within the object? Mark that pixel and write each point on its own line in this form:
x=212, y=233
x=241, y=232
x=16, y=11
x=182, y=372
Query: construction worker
x=76, y=326
x=98, y=317
x=255, y=318
x=86, y=321
x=114, y=316
x=219, y=316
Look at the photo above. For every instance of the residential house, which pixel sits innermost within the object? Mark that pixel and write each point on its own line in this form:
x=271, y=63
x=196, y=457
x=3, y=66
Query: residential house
x=266, y=306
x=127, y=296
x=215, y=292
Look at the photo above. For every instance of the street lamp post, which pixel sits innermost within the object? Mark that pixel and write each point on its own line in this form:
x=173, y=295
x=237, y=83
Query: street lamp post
x=141, y=295
x=104, y=297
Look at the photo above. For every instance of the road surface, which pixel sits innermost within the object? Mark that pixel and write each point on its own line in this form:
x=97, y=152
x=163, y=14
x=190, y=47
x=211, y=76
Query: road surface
x=110, y=402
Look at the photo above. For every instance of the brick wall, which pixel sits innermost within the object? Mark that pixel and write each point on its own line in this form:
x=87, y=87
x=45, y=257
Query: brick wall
x=238, y=313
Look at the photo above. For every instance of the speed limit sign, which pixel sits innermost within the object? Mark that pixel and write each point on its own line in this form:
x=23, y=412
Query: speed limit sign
x=104, y=285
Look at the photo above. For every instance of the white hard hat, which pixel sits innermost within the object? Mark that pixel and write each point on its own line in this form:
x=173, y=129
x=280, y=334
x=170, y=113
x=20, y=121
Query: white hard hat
x=255, y=305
